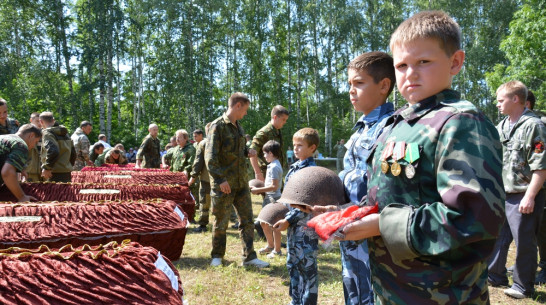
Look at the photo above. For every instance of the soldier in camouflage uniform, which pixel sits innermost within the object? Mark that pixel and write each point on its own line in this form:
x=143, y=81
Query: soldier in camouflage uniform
x=271, y=131
x=524, y=170
x=368, y=93
x=225, y=155
x=435, y=174
x=81, y=145
x=199, y=174
x=302, y=249
x=34, y=164
x=194, y=188
x=111, y=155
x=7, y=125
x=148, y=155
x=96, y=150
x=180, y=158
x=58, y=154
x=13, y=157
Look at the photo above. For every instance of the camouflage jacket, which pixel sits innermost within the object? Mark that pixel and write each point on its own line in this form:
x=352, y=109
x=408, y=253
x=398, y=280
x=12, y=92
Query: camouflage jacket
x=149, y=152
x=199, y=168
x=226, y=153
x=11, y=127
x=522, y=149
x=106, y=157
x=58, y=153
x=81, y=145
x=354, y=173
x=439, y=222
x=34, y=164
x=13, y=150
x=266, y=133
x=181, y=158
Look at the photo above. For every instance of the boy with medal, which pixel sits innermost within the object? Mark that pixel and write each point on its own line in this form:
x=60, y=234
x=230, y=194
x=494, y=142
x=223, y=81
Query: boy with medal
x=434, y=231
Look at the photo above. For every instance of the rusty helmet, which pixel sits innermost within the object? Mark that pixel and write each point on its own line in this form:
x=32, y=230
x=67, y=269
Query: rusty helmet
x=256, y=183
x=272, y=213
x=313, y=185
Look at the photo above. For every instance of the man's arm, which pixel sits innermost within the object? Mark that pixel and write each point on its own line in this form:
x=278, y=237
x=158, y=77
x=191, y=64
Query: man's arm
x=140, y=151
x=527, y=204
x=9, y=175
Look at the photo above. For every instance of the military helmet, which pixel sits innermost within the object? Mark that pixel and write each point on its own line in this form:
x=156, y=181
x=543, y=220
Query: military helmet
x=255, y=183
x=312, y=186
x=272, y=213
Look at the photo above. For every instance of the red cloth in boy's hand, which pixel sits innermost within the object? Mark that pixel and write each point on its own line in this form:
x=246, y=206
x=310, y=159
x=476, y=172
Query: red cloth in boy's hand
x=326, y=224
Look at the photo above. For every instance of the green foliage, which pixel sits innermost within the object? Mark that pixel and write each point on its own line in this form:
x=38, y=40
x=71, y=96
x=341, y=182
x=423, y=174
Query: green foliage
x=179, y=61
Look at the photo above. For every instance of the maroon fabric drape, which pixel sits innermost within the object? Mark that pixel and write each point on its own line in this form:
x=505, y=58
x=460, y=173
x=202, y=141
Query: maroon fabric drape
x=130, y=177
x=75, y=192
x=110, y=274
x=154, y=223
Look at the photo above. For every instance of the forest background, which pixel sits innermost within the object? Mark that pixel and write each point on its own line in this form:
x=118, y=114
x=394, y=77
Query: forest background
x=123, y=64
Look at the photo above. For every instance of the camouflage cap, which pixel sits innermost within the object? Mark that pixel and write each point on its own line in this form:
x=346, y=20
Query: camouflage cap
x=272, y=213
x=312, y=186
x=255, y=183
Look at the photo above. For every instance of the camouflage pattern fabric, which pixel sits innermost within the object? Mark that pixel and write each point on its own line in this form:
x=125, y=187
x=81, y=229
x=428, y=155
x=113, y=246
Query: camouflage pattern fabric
x=302, y=250
x=13, y=150
x=357, y=287
x=181, y=158
x=58, y=153
x=204, y=203
x=149, y=152
x=109, y=159
x=221, y=208
x=523, y=150
x=226, y=154
x=267, y=133
x=11, y=127
x=199, y=168
x=355, y=263
x=81, y=145
x=439, y=225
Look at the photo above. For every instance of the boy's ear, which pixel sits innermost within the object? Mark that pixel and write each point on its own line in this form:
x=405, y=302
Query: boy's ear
x=457, y=61
x=385, y=85
x=314, y=148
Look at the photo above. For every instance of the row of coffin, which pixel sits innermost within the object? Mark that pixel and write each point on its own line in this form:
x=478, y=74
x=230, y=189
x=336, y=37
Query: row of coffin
x=108, y=237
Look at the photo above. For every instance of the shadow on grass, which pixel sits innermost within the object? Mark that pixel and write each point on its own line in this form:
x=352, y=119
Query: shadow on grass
x=540, y=297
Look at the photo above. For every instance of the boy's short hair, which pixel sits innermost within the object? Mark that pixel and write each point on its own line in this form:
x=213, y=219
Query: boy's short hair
x=531, y=99
x=198, y=131
x=309, y=135
x=34, y=115
x=429, y=24
x=379, y=65
x=29, y=128
x=279, y=110
x=3, y=102
x=97, y=145
x=515, y=87
x=238, y=97
x=102, y=136
x=273, y=147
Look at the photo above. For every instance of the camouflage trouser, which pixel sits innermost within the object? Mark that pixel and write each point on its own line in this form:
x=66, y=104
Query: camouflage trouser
x=194, y=189
x=357, y=286
x=303, y=273
x=78, y=165
x=221, y=206
x=204, y=203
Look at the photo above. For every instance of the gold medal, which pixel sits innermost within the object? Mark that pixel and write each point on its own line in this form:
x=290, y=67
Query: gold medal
x=396, y=169
x=410, y=171
x=385, y=167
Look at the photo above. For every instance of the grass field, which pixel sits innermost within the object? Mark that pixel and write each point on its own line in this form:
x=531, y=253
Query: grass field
x=235, y=285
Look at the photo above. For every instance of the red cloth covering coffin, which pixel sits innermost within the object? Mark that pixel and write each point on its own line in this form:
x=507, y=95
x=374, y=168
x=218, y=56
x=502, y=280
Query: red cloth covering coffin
x=126, y=273
x=130, y=177
x=157, y=223
x=118, y=167
x=81, y=192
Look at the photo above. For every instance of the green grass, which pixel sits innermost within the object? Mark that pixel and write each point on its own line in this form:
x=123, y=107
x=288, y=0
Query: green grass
x=235, y=285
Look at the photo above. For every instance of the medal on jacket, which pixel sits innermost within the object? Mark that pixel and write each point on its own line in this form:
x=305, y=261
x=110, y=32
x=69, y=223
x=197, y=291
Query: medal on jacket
x=412, y=155
x=387, y=152
x=397, y=154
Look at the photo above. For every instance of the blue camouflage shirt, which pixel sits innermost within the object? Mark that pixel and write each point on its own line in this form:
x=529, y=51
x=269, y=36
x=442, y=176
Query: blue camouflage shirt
x=368, y=128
